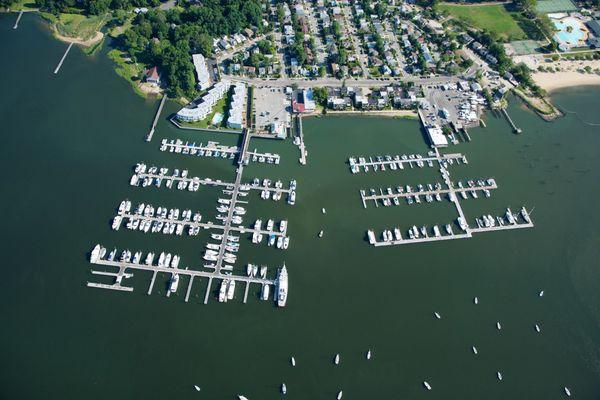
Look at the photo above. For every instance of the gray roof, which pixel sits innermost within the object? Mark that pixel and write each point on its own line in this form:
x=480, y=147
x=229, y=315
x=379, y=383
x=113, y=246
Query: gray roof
x=594, y=26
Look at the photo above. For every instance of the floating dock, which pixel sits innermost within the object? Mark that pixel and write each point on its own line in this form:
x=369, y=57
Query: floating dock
x=214, y=149
x=432, y=192
x=399, y=162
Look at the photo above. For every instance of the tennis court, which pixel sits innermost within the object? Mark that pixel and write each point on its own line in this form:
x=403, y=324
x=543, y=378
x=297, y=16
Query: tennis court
x=554, y=6
x=523, y=47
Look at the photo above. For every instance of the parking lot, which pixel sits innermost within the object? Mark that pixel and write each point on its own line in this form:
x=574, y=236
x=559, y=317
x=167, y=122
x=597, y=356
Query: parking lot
x=270, y=105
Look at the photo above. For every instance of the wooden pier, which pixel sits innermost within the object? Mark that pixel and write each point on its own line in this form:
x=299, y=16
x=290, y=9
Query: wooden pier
x=214, y=149
x=510, y=121
x=63, y=58
x=18, y=19
x=156, y=118
x=398, y=162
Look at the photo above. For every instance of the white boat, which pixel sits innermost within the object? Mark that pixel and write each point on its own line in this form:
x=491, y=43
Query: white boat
x=567, y=392
x=498, y=326
x=537, y=328
x=541, y=294
x=474, y=349
x=336, y=360
x=283, y=389
x=293, y=360
x=321, y=234
x=499, y=375
x=223, y=291
x=368, y=354
x=476, y=300
x=265, y=292
x=174, y=283
x=95, y=253
x=427, y=385
x=340, y=394
x=231, y=289
x=437, y=315
x=240, y=397
x=282, y=286
x=323, y=211
x=197, y=388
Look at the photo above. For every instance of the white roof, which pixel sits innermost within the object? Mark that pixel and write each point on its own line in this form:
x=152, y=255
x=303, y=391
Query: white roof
x=201, y=71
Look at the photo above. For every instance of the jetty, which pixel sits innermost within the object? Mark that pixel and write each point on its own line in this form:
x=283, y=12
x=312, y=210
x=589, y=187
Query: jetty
x=18, y=19
x=156, y=118
x=510, y=121
x=63, y=58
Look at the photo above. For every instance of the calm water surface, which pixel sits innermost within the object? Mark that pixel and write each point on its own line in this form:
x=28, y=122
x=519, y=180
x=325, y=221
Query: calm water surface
x=68, y=145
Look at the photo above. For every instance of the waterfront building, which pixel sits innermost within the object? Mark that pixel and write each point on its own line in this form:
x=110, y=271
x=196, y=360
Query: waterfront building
x=436, y=136
x=197, y=111
x=152, y=76
x=201, y=71
x=236, y=108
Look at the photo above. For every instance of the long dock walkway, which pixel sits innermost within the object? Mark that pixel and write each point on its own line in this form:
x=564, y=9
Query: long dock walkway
x=510, y=121
x=302, y=146
x=18, y=19
x=204, y=225
x=63, y=58
x=214, y=149
x=156, y=118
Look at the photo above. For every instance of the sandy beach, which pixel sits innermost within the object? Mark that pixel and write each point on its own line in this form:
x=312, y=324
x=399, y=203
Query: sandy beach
x=557, y=80
x=87, y=43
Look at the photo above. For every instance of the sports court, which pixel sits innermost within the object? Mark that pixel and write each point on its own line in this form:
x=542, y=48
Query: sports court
x=554, y=6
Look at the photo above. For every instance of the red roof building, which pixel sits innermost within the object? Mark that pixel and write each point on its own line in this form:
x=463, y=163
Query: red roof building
x=152, y=76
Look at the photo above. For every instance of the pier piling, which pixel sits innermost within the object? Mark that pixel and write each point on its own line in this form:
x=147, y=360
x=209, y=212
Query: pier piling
x=156, y=117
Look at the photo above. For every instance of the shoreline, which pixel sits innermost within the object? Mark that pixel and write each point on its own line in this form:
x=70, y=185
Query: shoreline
x=551, y=81
x=408, y=114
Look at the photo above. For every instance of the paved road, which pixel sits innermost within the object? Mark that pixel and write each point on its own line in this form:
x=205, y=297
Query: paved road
x=304, y=83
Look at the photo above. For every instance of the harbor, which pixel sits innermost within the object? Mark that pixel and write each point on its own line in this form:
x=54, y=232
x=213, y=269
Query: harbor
x=432, y=193
x=221, y=255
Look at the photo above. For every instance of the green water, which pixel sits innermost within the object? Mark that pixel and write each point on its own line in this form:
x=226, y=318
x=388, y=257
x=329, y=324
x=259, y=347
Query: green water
x=68, y=145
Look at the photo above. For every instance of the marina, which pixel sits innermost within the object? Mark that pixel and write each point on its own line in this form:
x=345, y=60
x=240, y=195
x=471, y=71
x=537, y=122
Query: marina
x=399, y=162
x=433, y=193
x=214, y=149
x=154, y=176
x=220, y=256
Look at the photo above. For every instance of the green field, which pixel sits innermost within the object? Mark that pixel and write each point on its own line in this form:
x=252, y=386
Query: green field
x=80, y=26
x=494, y=18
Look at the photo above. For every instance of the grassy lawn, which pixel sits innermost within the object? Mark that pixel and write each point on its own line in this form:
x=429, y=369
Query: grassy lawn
x=494, y=18
x=80, y=26
x=220, y=107
x=127, y=69
x=24, y=5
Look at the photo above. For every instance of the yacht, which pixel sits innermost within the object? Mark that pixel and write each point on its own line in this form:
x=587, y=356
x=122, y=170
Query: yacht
x=286, y=242
x=339, y=395
x=282, y=286
x=231, y=289
x=437, y=315
x=174, y=283
x=476, y=300
x=321, y=235
x=474, y=349
x=149, y=258
x=283, y=389
x=499, y=375
x=498, y=326
x=112, y=254
x=223, y=291
x=293, y=360
x=264, y=295
x=427, y=385
x=537, y=328
x=369, y=354
x=292, y=197
x=436, y=231
x=541, y=293
x=525, y=215
x=95, y=253
x=240, y=397
x=397, y=234
x=567, y=392
x=462, y=223
x=336, y=360
x=370, y=235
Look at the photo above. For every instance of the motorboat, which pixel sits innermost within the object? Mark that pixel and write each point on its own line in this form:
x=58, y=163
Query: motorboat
x=283, y=389
x=293, y=361
x=369, y=354
x=537, y=328
x=499, y=375
x=437, y=315
x=427, y=385
x=498, y=326
x=336, y=360
x=474, y=349
x=476, y=300
x=339, y=395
